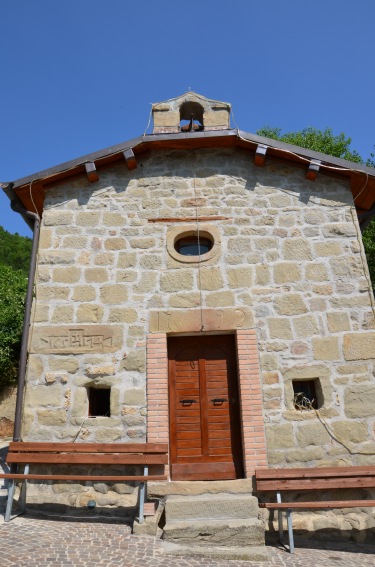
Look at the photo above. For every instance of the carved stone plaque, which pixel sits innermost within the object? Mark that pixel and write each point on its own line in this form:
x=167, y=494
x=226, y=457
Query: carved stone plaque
x=77, y=339
x=195, y=320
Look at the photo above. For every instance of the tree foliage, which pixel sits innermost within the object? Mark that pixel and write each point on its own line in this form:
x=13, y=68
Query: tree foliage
x=15, y=251
x=13, y=284
x=326, y=142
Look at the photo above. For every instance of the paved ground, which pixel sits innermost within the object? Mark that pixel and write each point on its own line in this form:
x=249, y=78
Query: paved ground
x=40, y=542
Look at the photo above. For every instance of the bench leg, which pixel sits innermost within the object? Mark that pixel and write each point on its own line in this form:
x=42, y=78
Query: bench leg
x=290, y=530
x=142, y=495
x=280, y=522
x=280, y=519
x=23, y=491
x=11, y=489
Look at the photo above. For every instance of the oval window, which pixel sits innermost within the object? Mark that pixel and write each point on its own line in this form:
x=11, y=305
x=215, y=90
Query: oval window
x=193, y=246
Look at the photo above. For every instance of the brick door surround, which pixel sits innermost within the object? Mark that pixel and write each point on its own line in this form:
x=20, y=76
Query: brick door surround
x=252, y=422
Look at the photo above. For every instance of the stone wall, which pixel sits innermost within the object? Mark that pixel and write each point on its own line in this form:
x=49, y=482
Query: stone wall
x=288, y=251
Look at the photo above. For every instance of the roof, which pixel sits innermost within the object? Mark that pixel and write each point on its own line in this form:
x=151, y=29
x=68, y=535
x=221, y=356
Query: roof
x=30, y=190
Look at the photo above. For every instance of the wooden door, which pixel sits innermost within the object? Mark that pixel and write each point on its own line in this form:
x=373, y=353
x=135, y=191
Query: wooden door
x=205, y=434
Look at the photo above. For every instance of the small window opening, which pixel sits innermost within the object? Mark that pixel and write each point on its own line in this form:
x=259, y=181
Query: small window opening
x=99, y=402
x=191, y=117
x=193, y=246
x=305, y=397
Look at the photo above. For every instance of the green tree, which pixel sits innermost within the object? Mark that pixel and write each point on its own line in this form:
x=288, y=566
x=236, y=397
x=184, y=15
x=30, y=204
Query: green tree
x=15, y=250
x=327, y=142
x=13, y=284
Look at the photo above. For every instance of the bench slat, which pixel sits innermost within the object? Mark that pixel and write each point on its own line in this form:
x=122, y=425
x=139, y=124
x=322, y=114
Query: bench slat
x=315, y=484
x=24, y=446
x=88, y=459
x=316, y=505
x=263, y=474
x=95, y=478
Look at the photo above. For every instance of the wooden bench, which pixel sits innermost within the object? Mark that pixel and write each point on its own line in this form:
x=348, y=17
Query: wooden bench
x=318, y=479
x=115, y=454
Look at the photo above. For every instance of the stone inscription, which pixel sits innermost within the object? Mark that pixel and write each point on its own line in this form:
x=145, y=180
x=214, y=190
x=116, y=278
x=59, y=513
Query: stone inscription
x=82, y=339
x=182, y=320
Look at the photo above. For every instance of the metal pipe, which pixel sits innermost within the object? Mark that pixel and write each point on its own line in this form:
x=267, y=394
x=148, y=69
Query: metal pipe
x=26, y=321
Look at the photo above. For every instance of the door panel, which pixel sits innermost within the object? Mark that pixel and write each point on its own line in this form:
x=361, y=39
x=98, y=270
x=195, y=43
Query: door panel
x=204, y=409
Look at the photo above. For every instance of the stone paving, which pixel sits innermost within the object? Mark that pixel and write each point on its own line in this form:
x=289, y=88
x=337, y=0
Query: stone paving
x=40, y=542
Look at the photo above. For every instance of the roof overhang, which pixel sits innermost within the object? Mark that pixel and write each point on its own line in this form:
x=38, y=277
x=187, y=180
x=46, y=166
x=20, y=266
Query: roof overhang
x=30, y=190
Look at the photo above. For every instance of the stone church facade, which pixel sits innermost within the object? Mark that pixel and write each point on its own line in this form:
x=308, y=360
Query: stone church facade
x=259, y=351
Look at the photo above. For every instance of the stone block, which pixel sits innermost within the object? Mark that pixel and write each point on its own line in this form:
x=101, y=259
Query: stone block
x=113, y=219
x=147, y=283
x=191, y=299
x=102, y=259
x=45, y=238
x=53, y=257
x=297, y=249
x=127, y=260
x=135, y=397
x=270, y=378
x=142, y=243
x=316, y=272
x=98, y=371
x=279, y=328
x=286, y=272
x=210, y=279
x=65, y=339
x=39, y=396
x=135, y=361
x=220, y=299
x=359, y=346
x=268, y=362
x=359, y=401
x=63, y=314
x=176, y=281
x=240, y=277
x=57, y=218
x=290, y=304
x=89, y=313
x=84, y=293
x=306, y=455
x=67, y=274
x=88, y=218
x=338, y=322
x=347, y=266
x=122, y=315
x=327, y=248
x=262, y=275
x=326, y=348
x=279, y=436
x=41, y=313
x=264, y=243
x=46, y=293
x=339, y=229
x=151, y=261
x=55, y=417
x=312, y=434
x=191, y=320
x=96, y=275
x=68, y=364
x=350, y=431
x=115, y=243
x=305, y=326
x=123, y=276
x=112, y=294
x=80, y=403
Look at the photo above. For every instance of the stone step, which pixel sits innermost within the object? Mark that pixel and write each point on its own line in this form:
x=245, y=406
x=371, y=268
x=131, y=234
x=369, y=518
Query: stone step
x=196, y=487
x=244, y=553
x=211, y=506
x=227, y=533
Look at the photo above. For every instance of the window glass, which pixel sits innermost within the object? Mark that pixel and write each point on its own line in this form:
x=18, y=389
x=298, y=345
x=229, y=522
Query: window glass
x=192, y=246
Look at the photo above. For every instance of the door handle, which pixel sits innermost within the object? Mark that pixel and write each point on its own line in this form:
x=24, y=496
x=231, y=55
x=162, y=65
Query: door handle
x=186, y=402
x=219, y=400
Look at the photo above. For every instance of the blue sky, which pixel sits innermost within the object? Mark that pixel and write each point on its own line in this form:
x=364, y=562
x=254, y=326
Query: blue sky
x=79, y=75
